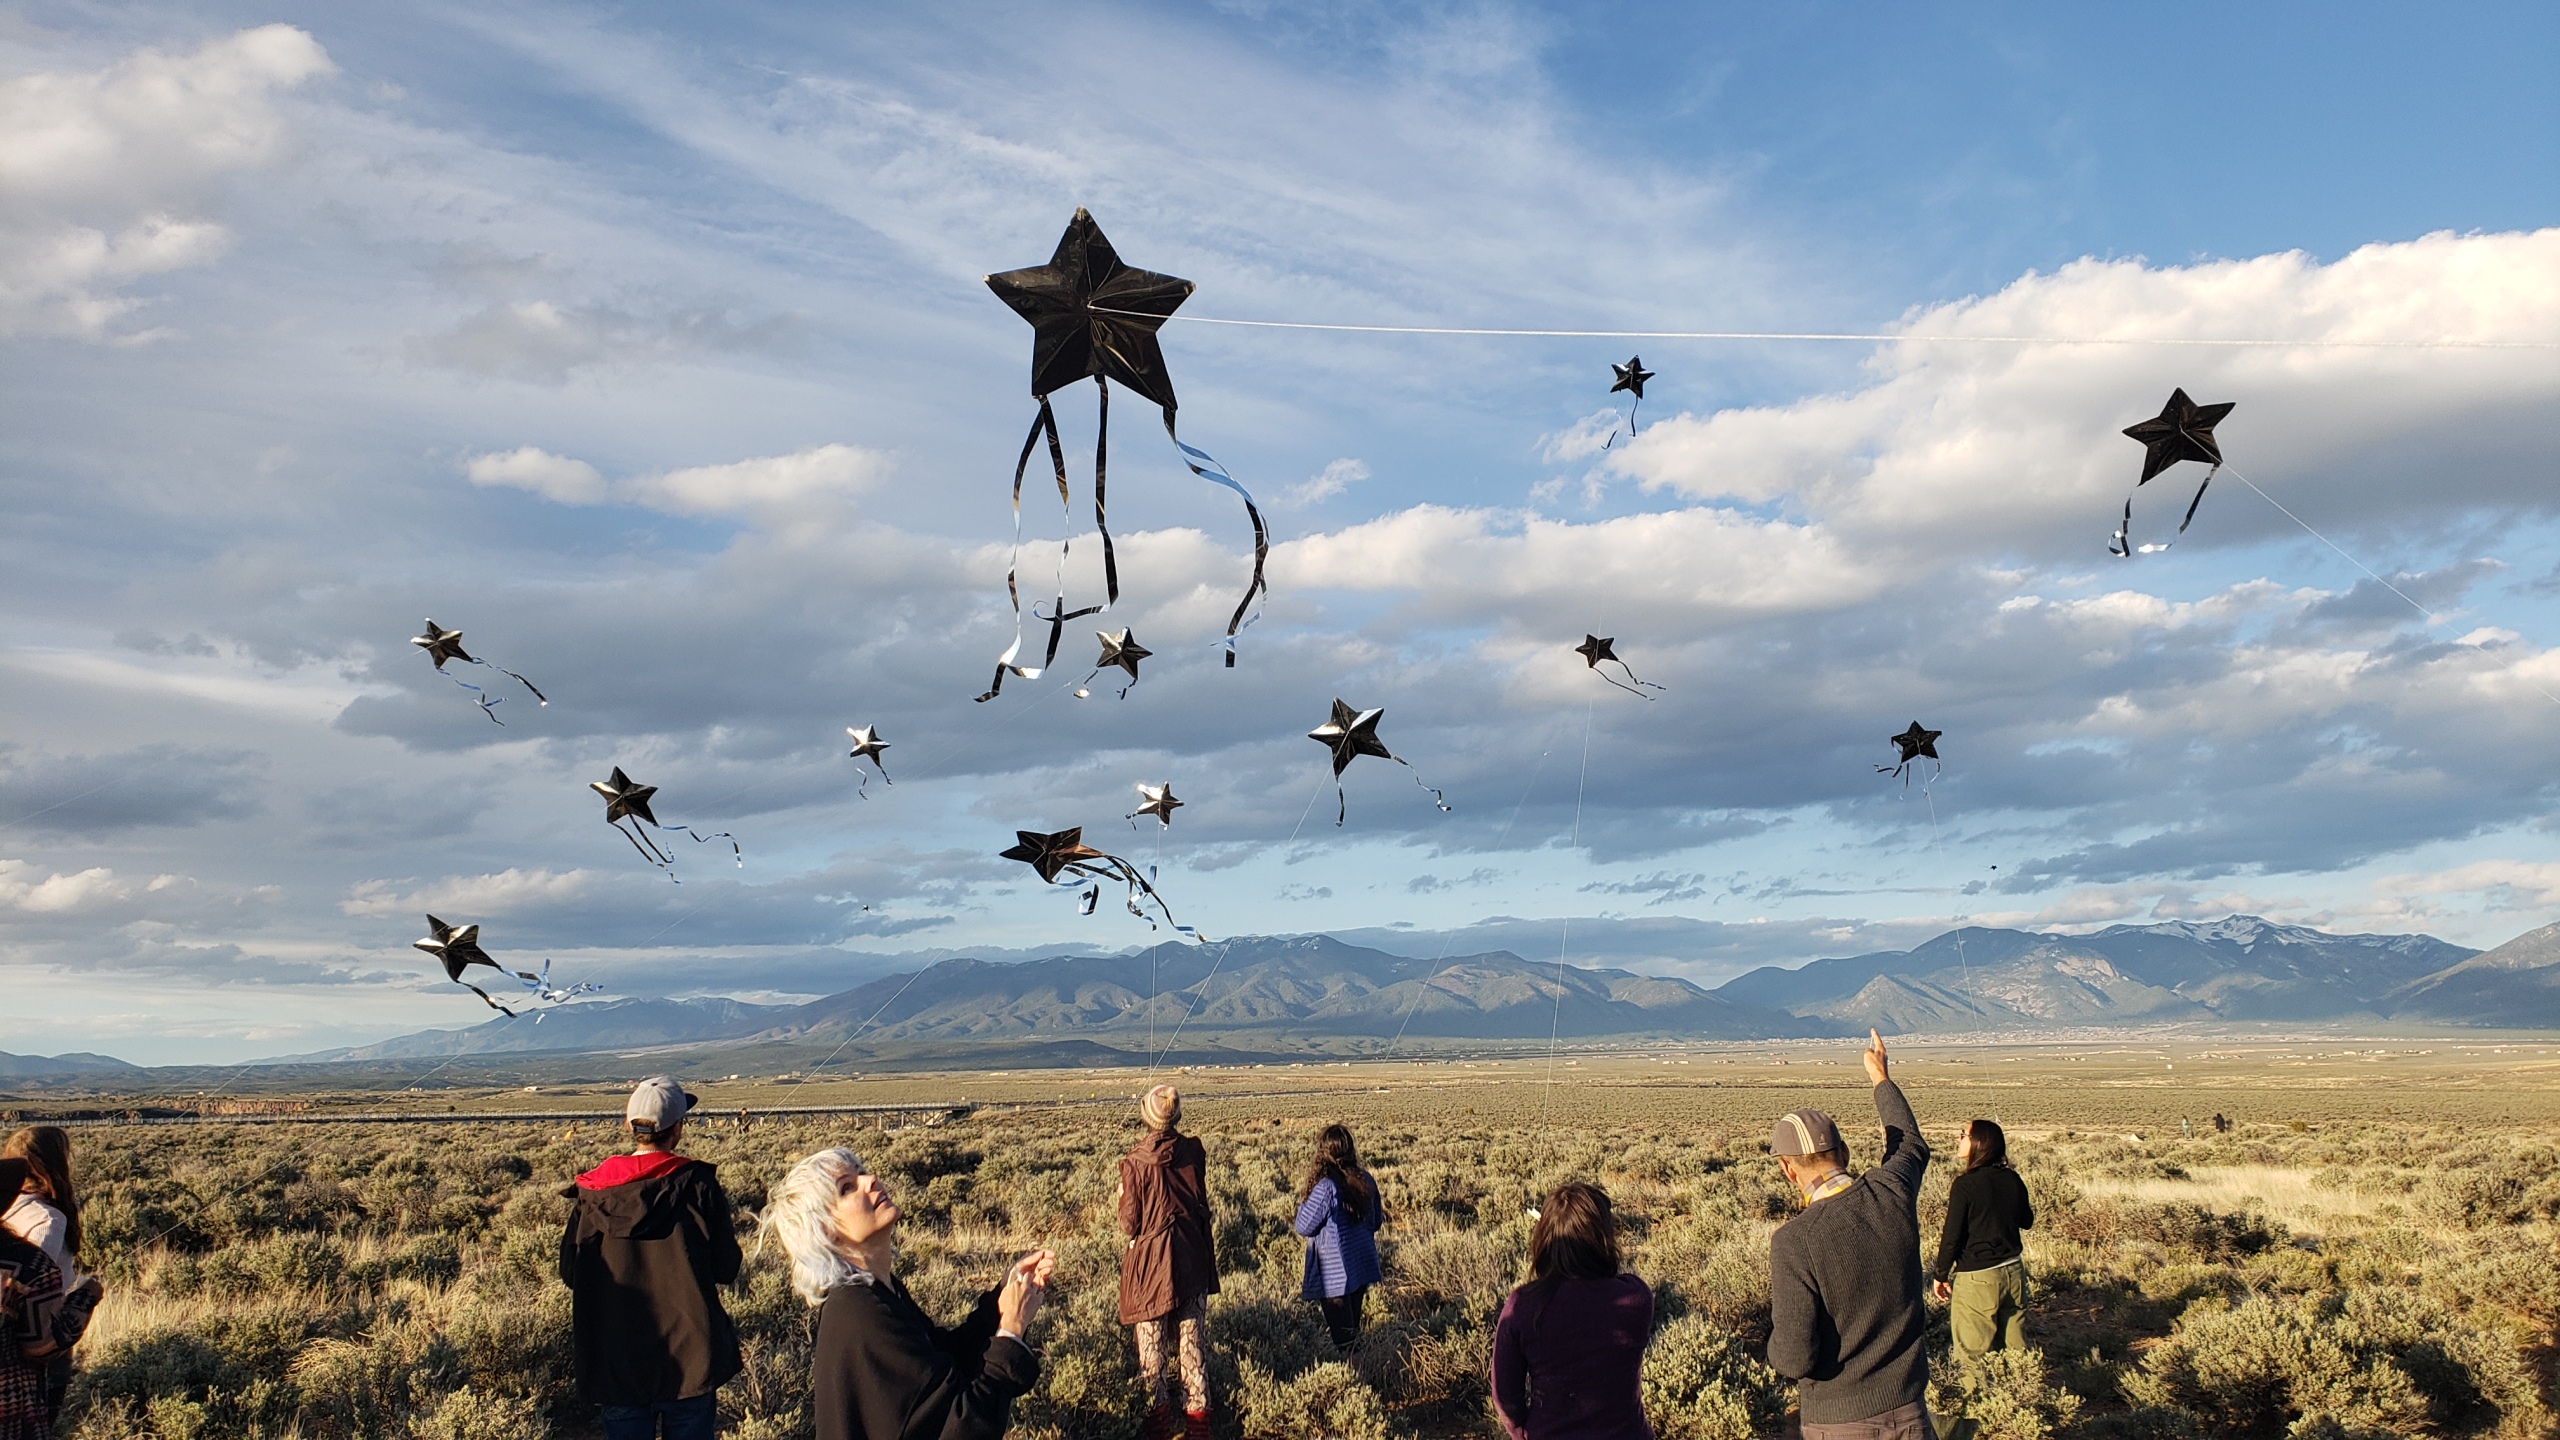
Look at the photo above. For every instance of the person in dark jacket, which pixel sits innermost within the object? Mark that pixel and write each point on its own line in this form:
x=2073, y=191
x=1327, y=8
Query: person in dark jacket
x=1981, y=1271
x=1568, y=1350
x=1845, y=1310
x=1169, y=1268
x=1338, y=1215
x=646, y=1249
x=883, y=1369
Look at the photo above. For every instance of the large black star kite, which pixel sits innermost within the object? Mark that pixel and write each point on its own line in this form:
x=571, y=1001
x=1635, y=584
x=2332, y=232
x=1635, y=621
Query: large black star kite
x=1064, y=853
x=442, y=645
x=1351, y=734
x=2183, y=430
x=626, y=808
x=1093, y=316
x=1911, y=745
x=1596, y=648
x=1631, y=378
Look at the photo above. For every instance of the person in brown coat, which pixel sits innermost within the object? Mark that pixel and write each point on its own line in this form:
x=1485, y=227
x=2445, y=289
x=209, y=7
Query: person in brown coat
x=1170, y=1268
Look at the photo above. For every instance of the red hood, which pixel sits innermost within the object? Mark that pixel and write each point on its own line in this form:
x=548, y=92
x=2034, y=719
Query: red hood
x=623, y=1169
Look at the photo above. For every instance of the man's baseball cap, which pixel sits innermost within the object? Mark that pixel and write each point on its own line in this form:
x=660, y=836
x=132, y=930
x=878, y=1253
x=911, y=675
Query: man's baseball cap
x=658, y=1103
x=1799, y=1133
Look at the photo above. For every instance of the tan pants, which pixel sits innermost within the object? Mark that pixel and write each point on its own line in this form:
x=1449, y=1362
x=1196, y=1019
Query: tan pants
x=1988, y=1309
x=1191, y=1318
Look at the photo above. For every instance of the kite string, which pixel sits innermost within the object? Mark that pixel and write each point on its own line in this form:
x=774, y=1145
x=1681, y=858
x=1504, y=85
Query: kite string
x=1449, y=937
x=1564, y=946
x=856, y=1031
x=2423, y=612
x=1866, y=336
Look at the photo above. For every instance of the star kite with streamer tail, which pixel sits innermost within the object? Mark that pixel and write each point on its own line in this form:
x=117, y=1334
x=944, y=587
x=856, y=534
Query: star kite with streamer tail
x=442, y=645
x=1093, y=316
x=457, y=948
x=1065, y=853
x=1911, y=745
x=1156, y=800
x=626, y=799
x=1119, y=650
x=1596, y=648
x=867, y=745
x=1631, y=377
x=1351, y=734
x=2183, y=430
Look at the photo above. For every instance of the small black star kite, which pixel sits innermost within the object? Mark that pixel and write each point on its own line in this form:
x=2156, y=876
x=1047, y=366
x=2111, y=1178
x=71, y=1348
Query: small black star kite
x=442, y=645
x=2183, y=430
x=1156, y=800
x=1631, y=378
x=1596, y=648
x=1064, y=853
x=1351, y=734
x=1120, y=650
x=627, y=800
x=867, y=745
x=1910, y=745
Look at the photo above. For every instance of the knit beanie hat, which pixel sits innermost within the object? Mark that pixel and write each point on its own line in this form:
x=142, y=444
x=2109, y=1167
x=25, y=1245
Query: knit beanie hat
x=1161, y=1107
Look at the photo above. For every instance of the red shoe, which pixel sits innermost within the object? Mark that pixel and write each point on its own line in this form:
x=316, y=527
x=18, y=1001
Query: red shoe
x=1159, y=1423
x=1195, y=1425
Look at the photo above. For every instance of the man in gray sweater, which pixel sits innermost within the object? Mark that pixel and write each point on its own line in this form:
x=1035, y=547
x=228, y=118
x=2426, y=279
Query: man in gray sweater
x=1845, y=1312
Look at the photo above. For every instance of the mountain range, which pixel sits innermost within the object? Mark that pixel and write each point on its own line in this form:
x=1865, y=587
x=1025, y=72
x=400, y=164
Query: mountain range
x=1264, y=996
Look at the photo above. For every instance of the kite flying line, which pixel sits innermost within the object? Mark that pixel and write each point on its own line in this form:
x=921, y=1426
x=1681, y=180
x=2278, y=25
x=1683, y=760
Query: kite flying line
x=1866, y=337
x=1448, y=937
x=2424, y=613
x=1555, y=1023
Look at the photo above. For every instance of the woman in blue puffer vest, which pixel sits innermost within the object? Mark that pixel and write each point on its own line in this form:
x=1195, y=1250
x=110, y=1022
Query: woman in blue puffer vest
x=1338, y=1213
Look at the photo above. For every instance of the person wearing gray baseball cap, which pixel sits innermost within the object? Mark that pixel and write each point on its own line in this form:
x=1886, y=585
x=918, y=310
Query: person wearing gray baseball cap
x=646, y=1251
x=1845, y=1310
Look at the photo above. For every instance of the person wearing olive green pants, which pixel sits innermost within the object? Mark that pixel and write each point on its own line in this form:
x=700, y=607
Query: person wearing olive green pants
x=1981, y=1271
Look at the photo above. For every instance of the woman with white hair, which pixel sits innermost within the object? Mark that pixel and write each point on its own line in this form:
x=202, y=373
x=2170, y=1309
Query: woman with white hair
x=884, y=1370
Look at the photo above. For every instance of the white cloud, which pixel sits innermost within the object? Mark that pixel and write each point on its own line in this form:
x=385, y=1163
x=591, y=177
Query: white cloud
x=1336, y=477
x=2507, y=884
x=1986, y=449
x=793, y=485
x=98, y=170
x=553, y=477
x=467, y=898
x=790, y=493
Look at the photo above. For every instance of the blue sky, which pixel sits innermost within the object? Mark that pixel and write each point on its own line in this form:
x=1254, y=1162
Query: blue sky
x=652, y=354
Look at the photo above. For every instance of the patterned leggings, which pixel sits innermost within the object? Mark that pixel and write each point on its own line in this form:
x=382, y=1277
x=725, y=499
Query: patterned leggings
x=1192, y=1317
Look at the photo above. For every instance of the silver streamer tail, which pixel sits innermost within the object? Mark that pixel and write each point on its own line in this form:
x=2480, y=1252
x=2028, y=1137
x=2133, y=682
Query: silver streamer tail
x=1206, y=466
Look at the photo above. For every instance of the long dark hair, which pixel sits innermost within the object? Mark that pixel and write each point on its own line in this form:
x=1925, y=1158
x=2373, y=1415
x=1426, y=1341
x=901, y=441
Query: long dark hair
x=1576, y=1239
x=1990, y=1147
x=47, y=1151
x=1338, y=1160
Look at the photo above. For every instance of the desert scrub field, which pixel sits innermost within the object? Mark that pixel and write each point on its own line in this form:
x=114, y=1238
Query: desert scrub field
x=2328, y=1279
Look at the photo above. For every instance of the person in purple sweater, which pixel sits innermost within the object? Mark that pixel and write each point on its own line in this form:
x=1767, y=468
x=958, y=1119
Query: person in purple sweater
x=1568, y=1350
x=1338, y=1216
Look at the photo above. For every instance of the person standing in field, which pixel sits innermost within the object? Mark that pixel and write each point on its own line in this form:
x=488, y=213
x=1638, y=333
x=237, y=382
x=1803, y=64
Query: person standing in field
x=1338, y=1216
x=1568, y=1350
x=645, y=1253
x=1981, y=1270
x=45, y=1212
x=1845, y=1310
x=31, y=1305
x=1169, y=1268
x=883, y=1370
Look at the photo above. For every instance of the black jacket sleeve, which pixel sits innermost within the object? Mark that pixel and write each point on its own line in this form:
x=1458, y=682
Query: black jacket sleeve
x=1906, y=1154
x=719, y=1260
x=1951, y=1237
x=883, y=1371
